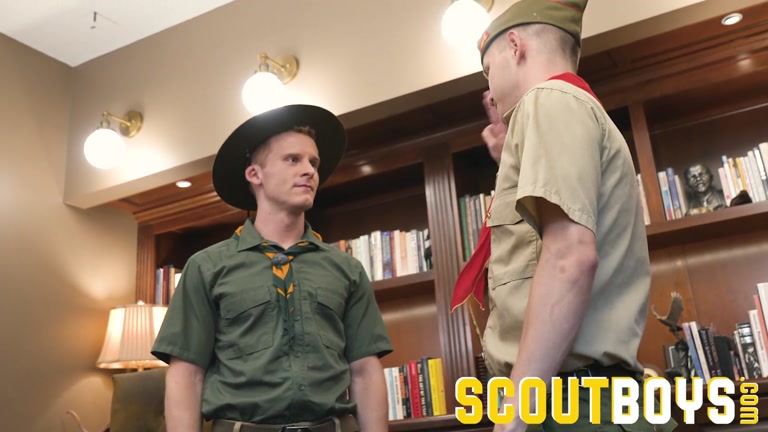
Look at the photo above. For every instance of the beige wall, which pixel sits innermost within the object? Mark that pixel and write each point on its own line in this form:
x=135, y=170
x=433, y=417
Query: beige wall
x=353, y=54
x=62, y=268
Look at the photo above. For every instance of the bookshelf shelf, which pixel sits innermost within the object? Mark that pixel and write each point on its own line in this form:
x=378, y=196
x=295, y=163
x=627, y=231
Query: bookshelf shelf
x=726, y=222
x=397, y=286
x=436, y=423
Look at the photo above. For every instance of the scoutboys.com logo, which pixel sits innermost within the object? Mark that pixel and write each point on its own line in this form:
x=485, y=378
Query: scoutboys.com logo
x=689, y=396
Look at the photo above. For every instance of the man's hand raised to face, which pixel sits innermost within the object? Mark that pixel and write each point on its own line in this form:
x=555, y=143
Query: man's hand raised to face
x=494, y=133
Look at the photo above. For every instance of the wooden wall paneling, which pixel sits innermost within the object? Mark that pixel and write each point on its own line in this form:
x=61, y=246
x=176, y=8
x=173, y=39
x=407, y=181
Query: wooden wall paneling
x=668, y=274
x=145, y=264
x=706, y=142
x=691, y=107
x=182, y=213
x=699, y=63
x=454, y=327
x=645, y=159
x=408, y=151
x=412, y=323
x=724, y=274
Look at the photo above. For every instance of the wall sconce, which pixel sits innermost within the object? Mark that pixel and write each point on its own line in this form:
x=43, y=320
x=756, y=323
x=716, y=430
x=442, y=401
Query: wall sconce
x=465, y=21
x=104, y=147
x=265, y=90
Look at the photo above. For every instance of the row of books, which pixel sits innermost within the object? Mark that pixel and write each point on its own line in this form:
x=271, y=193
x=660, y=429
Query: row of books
x=746, y=173
x=754, y=336
x=166, y=279
x=742, y=355
x=386, y=254
x=709, y=354
x=472, y=209
x=673, y=194
x=416, y=389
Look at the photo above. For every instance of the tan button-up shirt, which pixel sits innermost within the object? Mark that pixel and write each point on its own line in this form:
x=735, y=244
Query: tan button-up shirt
x=562, y=146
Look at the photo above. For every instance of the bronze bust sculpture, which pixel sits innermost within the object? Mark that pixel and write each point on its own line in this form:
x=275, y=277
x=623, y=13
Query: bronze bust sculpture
x=702, y=194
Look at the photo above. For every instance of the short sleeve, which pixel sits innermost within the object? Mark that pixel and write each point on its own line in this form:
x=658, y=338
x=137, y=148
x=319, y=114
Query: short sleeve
x=188, y=330
x=364, y=327
x=559, y=156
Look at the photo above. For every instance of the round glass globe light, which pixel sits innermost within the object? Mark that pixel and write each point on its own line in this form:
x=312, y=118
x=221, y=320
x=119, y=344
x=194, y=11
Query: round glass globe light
x=263, y=91
x=463, y=23
x=104, y=148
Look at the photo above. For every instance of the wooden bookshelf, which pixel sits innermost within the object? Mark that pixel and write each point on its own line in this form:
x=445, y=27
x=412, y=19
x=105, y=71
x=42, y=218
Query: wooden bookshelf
x=438, y=423
x=726, y=222
x=694, y=92
x=404, y=285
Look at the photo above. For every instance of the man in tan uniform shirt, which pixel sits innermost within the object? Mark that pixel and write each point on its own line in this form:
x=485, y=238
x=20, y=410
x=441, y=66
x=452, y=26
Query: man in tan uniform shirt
x=568, y=270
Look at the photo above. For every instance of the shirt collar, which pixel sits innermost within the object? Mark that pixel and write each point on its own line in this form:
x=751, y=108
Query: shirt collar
x=248, y=237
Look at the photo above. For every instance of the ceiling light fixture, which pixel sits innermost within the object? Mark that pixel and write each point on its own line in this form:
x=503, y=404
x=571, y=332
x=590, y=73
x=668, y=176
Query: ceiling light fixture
x=183, y=184
x=104, y=147
x=731, y=19
x=464, y=22
x=265, y=89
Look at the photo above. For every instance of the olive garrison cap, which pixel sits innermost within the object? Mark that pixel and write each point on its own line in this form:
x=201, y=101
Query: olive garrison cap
x=564, y=14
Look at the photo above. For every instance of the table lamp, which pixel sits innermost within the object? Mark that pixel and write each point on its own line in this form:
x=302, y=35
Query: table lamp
x=131, y=331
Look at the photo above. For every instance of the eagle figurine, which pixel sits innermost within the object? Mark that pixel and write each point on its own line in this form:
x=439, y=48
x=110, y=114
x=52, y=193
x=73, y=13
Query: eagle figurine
x=672, y=319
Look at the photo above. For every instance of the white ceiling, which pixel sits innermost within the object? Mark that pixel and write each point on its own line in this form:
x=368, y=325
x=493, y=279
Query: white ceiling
x=65, y=29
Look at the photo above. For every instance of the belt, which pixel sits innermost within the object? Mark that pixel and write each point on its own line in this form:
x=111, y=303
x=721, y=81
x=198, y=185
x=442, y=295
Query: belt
x=345, y=423
x=598, y=370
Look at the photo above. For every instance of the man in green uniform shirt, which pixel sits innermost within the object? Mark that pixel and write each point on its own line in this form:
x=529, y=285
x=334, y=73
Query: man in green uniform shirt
x=565, y=245
x=269, y=329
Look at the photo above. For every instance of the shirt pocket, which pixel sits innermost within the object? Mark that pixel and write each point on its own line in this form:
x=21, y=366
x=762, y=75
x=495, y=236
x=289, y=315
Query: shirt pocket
x=329, y=314
x=247, y=322
x=514, y=244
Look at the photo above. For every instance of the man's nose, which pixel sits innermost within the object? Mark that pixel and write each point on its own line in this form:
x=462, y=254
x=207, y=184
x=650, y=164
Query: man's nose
x=308, y=168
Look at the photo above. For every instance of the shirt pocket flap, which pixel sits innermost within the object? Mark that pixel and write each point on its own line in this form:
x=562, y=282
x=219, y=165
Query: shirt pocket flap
x=235, y=304
x=332, y=301
x=503, y=209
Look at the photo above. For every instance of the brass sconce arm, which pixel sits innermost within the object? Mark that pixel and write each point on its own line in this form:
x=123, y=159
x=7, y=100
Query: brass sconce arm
x=284, y=67
x=130, y=124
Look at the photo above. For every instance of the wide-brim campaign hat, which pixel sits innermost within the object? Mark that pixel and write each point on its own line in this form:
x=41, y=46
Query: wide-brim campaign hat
x=234, y=155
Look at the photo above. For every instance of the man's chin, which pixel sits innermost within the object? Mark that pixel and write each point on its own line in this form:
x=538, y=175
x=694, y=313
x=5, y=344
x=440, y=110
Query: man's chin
x=303, y=205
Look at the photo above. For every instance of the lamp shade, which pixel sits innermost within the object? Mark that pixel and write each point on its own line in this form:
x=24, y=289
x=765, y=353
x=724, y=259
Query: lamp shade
x=463, y=23
x=262, y=92
x=104, y=148
x=131, y=331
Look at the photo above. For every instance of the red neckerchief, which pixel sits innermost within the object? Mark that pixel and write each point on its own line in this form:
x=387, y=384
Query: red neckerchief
x=473, y=278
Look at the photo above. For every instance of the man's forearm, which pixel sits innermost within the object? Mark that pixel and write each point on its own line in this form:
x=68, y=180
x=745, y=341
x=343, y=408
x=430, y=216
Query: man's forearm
x=183, y=395
x=369, y=390
x=559, y=297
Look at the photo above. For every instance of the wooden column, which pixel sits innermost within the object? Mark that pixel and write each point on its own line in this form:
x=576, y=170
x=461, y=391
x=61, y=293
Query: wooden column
x=455, y=330
x=145, y=264
x=642, y=138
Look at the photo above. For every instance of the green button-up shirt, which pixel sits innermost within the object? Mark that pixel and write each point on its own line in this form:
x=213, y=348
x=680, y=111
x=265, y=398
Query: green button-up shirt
x=224, y=317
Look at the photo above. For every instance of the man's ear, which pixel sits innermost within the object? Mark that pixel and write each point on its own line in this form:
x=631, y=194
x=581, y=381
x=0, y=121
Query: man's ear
x=516, y=45
x=254, y=174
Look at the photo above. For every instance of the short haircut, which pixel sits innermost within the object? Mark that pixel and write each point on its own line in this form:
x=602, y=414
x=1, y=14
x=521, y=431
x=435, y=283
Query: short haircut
x=550, y=37
x=257, y=155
